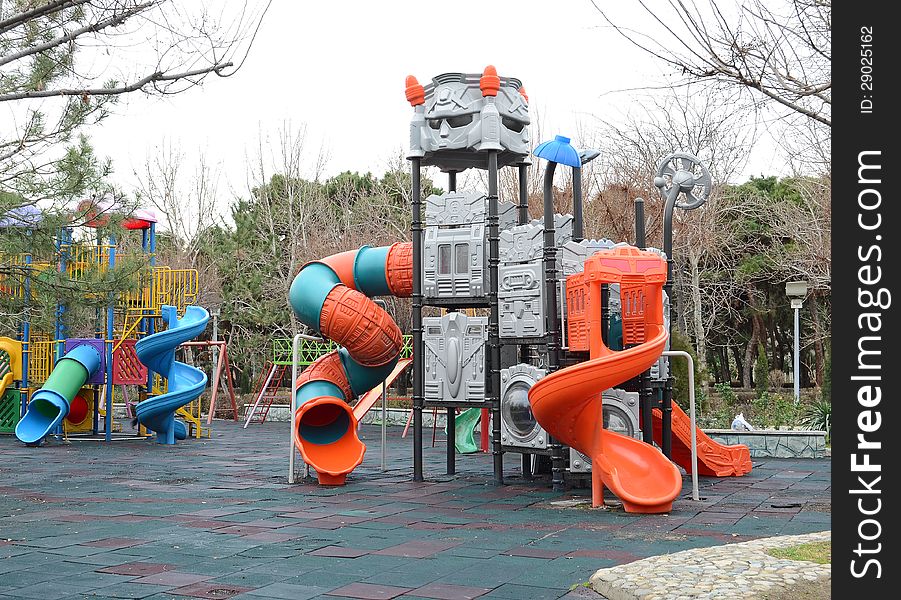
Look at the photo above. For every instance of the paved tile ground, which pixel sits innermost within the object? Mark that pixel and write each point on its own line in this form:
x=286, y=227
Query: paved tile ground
x=215, y=518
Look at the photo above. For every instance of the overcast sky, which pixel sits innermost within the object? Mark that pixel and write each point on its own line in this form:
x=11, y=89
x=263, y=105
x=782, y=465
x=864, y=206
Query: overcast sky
x=338, y=68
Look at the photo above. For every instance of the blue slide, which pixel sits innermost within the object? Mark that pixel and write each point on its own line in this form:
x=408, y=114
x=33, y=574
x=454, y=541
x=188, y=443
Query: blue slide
x=186, y=383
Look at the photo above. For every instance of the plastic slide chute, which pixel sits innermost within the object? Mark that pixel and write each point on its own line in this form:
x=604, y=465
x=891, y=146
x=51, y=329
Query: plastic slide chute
x=464, y=430
x=50, y=404
x=369, y=399
x=714, y=459
x=568, y=403
x=333, y=296
x=186, y=383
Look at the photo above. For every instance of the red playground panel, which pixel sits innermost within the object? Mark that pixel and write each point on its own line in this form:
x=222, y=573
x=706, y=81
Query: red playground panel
x=127, y=369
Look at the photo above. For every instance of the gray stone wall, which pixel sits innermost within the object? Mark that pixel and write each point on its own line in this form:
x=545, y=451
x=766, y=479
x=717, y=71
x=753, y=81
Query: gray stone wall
x=775, y=444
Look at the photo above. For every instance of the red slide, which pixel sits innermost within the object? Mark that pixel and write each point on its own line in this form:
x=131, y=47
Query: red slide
x=714, y=459
x=568, y=403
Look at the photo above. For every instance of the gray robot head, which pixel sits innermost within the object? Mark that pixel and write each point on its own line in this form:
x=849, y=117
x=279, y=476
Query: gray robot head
x=459, y=116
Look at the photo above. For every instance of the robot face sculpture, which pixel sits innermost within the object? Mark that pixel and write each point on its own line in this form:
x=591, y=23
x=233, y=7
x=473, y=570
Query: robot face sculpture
x=460, y=117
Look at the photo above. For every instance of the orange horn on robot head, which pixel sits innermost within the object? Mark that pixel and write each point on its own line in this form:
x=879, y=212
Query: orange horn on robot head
x=489, y=82
x=414, y=91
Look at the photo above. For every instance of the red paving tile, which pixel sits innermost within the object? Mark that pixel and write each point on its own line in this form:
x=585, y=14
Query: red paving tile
x=446, y=591
x=210, y=590
x=137, y=568
x=206, y=524
x=369, y=591
x=173, y=578
x=271, y=537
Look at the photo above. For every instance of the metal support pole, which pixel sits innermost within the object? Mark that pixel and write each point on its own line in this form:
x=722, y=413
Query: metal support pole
x=796, y=376
x=666, y=406
x=639, y=223
x=695, y=493
x=384, y=426
x=451, y=436
x=645, y=391
x=578, y=227
x=418, y=365
x=552, y=326
x=295, y=350
x=523, y=207
x=494, y=342
x=110, y=332
x=451, y=452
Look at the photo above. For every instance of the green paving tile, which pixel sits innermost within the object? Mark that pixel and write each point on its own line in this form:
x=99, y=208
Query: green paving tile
x=513, y=591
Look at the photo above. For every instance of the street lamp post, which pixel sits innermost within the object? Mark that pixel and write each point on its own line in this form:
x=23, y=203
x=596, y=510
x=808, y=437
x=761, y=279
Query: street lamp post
x=797, y=290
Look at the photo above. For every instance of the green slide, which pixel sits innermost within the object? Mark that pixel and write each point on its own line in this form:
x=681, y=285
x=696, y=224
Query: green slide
x=464, y=426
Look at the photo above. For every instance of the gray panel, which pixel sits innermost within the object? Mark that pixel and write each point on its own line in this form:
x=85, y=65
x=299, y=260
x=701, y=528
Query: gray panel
x=455, y=208
x=454, y=262
x=572, y=254
x=524, y=243
x=454, y=362
x=521, y=300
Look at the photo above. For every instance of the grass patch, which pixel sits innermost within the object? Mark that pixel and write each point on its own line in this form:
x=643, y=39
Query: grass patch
x=818, y=552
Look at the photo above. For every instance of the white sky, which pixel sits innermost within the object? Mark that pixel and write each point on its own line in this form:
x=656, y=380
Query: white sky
x=338, y=67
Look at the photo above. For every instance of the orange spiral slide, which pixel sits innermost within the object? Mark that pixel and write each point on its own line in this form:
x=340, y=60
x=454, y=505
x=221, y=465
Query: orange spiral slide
x=568, y=403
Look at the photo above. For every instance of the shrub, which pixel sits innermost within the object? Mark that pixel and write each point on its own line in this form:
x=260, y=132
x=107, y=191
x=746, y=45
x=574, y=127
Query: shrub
x=761, y=370
x=776, y=379
x=725, y=393
x=818, y=416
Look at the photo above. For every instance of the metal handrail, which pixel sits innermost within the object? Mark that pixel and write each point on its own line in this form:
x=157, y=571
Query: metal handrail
x=295, y=350
x=695, y=493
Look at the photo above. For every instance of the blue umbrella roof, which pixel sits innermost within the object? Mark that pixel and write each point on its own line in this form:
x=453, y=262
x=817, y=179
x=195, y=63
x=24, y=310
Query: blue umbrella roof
x=559, y=151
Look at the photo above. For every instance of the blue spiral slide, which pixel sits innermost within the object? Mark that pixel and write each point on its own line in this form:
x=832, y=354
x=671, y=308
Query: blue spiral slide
x=186, y=383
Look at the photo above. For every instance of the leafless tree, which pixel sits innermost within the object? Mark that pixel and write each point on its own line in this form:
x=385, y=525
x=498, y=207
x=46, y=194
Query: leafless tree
x=777, y=55
x=62, y=62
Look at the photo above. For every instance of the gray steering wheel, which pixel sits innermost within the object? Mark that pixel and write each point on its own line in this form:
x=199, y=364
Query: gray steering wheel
x=683, y=173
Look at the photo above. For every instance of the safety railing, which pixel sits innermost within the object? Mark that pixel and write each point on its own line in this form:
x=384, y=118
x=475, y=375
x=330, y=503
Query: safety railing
x=175, y=287
x=310, y=348
x=41, y=352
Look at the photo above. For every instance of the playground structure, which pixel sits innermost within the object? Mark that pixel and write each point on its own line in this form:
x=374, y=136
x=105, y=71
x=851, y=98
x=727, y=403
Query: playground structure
x=53, y=384
x=572, y=345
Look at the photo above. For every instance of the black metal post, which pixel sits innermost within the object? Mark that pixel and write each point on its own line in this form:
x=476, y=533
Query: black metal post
x=578, y=228
x=552, y=325
x=639, y=224
x=494, y=342
x=666, y=405
x=451, y=411
x=523, y=208
x=645, y=392
x=526, y=466
x=550, y=270
x=418, y=365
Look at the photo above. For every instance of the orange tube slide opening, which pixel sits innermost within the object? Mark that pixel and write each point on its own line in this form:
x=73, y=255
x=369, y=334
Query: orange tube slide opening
x=326, y=436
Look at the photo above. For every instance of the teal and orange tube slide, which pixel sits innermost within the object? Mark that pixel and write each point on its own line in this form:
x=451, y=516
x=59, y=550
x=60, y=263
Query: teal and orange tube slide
x=333, y=297
x=50, y=404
